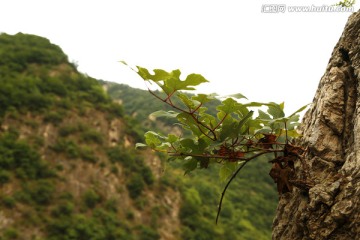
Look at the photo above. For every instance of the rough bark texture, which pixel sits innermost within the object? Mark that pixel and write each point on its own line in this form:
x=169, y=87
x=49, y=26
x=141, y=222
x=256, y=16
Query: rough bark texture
x=330, y=209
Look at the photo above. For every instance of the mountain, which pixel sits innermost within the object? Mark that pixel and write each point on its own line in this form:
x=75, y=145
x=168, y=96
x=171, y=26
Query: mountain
x=69, y=170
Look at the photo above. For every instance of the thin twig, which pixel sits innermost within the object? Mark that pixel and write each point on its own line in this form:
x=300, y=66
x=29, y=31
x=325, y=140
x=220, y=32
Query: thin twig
x=222, y=120
x=232, y=178
x=225, y=188
x=197, y=108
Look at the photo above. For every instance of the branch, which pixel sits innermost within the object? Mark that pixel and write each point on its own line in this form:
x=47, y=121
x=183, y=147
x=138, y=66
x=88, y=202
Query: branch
x=225, y=188
x=197, y=108
x=264, y=151
x=232, y=178
x=222, y=120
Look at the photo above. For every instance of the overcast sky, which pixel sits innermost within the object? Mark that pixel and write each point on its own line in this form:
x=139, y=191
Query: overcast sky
x=237, y=47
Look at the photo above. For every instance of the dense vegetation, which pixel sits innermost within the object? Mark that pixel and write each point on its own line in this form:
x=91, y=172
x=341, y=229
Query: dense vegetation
x=35, y=76
x=62, y=177
x=40, y=90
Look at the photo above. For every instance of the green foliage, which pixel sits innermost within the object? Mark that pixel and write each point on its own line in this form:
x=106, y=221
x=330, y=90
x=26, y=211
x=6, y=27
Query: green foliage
x=63, y=209
x=135, y=186
x=232, y=137
x=24, y=49
x=8, y=201
x=346, y=3
x=102, y=225
x=54, y=91
x=10, y=233
x=91, y=198
x=138, y=174
x=139, y=104
x=4, y=177
x=92, y=136
x=147, y=233
x=54, y=117
x=41, y=192
x=69, y=147
x=88, y=154
x=35, y=76
x=18, y=156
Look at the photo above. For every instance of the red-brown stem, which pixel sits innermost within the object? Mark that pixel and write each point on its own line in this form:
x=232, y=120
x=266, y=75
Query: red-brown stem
x=222, y=120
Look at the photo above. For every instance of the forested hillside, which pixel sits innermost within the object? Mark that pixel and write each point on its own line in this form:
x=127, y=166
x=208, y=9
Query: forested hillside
x=69, y=170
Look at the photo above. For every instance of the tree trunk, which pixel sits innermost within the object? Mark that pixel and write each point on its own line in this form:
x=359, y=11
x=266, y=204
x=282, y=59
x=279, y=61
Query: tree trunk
x=330, y=209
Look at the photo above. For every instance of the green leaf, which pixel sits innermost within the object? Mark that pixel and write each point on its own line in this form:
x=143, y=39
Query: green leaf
x=144, y=73
x=191, y=104
x=265, y=129
x=152, y=139
x=221, y=115
x=172, y=138
x=162, y=75
x=228, y=129
x=263, y=115
x=140, y=145
x=282, y=105
x=174, y=83
x=293, y=134
x=194, y=80
x=167, y=114
x=299, y=110
x=195, y=147
x=190, y=164
x=254, y=104
x=226, y=170
x=228, y=106
x=236, y=95
x=203, y=98
x=275, y=110
x=189, y=123
x=208, y=119
x=244, y=120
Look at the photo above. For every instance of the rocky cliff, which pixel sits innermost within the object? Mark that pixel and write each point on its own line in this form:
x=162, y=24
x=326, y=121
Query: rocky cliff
x=330, y=209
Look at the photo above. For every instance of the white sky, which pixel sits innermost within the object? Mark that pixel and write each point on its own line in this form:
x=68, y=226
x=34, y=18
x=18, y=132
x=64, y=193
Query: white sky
x=265, y=56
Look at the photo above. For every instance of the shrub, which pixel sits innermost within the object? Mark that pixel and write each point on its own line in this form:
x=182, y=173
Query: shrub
x=42, y=192
x=54, y=117
x=65, y=131
x=147, y=233
x=112, y=205
x=8, y=201
x=19, y=156
x=92, y=136
x=135, y=186
x=147, y=175
x=87, y=153
x=91, y=198
x=4, y=177
x=63, y=209
x=123, y=156
x=66, y=146
x=11, y=233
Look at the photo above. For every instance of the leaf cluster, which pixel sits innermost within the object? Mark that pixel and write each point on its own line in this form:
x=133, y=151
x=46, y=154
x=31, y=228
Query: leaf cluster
x=239, y=132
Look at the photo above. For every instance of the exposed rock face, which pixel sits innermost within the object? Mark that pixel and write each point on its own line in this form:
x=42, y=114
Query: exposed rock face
x=331, y=135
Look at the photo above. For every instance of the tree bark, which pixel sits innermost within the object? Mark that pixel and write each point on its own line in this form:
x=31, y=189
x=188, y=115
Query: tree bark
x=330, y=209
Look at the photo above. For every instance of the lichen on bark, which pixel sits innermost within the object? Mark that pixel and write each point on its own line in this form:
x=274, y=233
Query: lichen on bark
x=330, y=209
